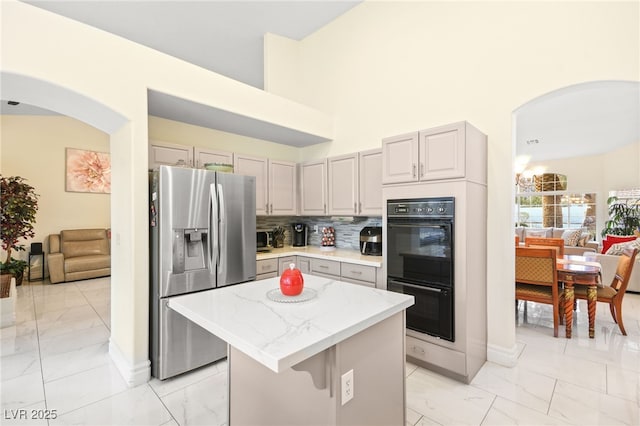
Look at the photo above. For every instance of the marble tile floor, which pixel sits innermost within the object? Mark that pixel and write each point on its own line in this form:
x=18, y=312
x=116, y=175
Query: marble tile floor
x=56, y=358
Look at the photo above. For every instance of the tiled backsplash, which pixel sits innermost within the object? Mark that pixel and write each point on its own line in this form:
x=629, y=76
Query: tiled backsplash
x=347, y=233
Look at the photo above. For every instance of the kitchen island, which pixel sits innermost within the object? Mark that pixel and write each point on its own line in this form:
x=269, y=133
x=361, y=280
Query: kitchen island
x=289, y=363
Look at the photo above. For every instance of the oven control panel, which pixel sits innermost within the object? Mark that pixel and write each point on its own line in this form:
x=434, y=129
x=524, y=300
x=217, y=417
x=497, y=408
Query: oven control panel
x=442, y=207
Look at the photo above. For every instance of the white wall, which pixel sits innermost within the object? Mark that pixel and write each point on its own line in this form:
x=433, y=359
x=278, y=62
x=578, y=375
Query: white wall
x=34, y=147
x=385, y=68
x=67, y=67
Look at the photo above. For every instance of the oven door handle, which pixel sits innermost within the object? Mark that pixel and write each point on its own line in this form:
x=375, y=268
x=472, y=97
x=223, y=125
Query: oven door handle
x=419, y=287
x=418, y=225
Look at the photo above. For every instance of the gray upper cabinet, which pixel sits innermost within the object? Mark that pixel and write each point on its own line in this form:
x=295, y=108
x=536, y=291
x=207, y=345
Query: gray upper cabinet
x=204, y=156
x=400, y=158
x=370, y=165
x=275, y=183
x=254, y=166
x=445, y=152
x=169, y=154
x=282, y=188
x=313, y=188
x=343, y=185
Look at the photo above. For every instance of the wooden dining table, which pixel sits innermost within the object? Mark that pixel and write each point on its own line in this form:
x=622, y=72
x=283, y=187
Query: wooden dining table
x=579, y=270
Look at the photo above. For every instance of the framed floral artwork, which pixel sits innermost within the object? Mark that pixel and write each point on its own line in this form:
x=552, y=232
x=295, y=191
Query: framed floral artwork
x=88, y=171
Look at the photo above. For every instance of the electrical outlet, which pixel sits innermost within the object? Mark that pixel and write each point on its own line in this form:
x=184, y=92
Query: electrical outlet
x=347, y=387
x=315, y=229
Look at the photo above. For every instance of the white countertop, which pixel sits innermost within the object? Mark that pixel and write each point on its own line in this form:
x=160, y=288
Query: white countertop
x=280, y=335
x=340, y=255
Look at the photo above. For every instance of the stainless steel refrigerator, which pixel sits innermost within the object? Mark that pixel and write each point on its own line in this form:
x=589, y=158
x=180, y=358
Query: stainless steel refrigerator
x=202, y=236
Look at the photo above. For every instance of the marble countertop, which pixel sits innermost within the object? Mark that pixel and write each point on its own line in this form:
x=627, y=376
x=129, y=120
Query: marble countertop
x=280, y=335
x=340, y=255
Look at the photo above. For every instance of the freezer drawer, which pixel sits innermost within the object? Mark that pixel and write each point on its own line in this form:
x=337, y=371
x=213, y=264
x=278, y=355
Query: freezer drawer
x=181, y=345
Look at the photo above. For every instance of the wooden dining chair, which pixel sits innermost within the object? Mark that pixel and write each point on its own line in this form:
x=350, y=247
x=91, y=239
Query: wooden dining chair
x=537, y=279
x=557, y=243
x=517, y=241
x=614, y=293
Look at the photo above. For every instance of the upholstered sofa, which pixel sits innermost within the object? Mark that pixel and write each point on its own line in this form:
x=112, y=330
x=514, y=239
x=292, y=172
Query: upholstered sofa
x=583, y=245
x=78, y=254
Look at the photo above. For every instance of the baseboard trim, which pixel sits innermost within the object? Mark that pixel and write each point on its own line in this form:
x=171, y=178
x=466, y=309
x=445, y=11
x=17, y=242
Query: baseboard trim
x=134, y=375
x=503, y=356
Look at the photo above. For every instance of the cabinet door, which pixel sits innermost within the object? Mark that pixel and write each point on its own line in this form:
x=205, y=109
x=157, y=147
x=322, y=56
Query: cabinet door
x=284, y=262
x=313, y=184
x=168, y=154
x=282, y=188
x=343, y=184
x=254, y=166
x=442, y=152
x=400, y=158
x=204, y=156
x=304, y=264
x=370, y=164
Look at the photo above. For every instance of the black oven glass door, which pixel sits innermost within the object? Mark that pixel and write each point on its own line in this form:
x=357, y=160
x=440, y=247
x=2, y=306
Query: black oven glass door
x=432, y=312
x=420, y=252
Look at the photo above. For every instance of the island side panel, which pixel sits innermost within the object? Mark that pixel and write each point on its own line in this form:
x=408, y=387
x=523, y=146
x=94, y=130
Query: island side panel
x=257, y=395
x=260, y=396
x=377, y=357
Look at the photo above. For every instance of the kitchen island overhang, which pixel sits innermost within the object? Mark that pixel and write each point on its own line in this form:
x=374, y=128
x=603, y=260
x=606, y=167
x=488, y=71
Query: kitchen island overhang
x=273, y=345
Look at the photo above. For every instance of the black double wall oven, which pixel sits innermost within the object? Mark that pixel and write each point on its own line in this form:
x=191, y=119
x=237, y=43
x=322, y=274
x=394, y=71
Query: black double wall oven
x=420, y=261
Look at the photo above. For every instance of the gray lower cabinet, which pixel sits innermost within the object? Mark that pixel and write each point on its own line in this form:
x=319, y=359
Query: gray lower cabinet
x=358, y=274
x=304, y=264
x=284, y=262
x=325, y=268
x=267, y=268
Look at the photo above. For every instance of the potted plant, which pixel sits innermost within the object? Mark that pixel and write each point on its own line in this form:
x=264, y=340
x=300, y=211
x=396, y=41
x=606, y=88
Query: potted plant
x=19, y=204
x=624, y=217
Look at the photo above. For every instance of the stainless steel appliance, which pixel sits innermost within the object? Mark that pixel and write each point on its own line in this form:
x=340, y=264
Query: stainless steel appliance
x=299, y=237
x=264, y=240
x=420, y=261
x=202, y=229
x=371, y=241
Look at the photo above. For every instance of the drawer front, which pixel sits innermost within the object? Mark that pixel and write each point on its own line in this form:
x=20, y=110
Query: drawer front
x=362, y=283
x=437, y=355
x=358, y=272
x=265, y=276
x=266, y=266
x=327, y=267
x=284, y=262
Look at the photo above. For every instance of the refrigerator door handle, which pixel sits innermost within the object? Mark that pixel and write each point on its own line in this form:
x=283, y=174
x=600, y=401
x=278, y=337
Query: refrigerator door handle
x=213, y=230
x=222, y=229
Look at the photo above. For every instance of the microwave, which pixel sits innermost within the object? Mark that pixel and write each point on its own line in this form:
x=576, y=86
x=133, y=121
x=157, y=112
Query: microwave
x=264, y=239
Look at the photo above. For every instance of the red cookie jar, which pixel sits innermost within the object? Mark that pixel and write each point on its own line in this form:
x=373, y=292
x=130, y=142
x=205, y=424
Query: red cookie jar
x=291, y=281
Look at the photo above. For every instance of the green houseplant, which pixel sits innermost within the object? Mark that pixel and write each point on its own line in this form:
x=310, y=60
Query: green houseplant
x=19, y=204
x=624, y=217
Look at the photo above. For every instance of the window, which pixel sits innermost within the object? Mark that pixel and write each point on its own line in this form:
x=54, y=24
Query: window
x=559, y=209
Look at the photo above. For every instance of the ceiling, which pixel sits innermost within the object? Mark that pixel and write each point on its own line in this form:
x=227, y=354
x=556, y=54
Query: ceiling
x=584, y=119
x=227, y=37
x=223, y=36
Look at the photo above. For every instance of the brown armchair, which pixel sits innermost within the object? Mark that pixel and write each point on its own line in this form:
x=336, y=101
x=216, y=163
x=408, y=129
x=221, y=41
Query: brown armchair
x=537, y=279
x=79, y=254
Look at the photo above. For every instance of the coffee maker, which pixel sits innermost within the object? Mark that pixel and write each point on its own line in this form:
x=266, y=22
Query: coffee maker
x=299, y=236
x=371, y=240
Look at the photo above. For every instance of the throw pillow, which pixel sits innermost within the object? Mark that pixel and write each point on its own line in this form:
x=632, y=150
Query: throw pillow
x=585, y=237
x=615, y=239
x=618, y=248
x=537, y=232
x=571, y=237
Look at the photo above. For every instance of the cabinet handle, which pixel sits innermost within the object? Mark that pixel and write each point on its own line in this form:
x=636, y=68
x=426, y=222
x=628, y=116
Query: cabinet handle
x=325, y=208
x=323, y=266
x=356, y=272
x=271, y=208
x=421, y=169
x=360, y=207
x=266, y=208
x=414, y=170
x=355, y=207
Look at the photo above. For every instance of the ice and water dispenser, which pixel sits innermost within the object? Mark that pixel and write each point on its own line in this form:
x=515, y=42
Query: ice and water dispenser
x=190, y=250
